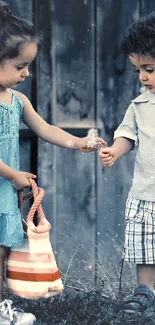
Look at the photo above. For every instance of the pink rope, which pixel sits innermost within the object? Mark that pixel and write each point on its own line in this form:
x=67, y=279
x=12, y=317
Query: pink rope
x=37, y=194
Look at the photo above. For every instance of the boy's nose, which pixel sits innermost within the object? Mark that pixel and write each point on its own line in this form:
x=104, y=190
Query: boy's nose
x=25, y=73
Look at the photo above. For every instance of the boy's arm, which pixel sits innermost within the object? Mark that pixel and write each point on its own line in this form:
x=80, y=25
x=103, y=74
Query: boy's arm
x=120, y=147
x=124, y=138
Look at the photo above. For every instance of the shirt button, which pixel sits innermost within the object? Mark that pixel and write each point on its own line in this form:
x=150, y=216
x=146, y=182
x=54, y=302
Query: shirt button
x=11, y=112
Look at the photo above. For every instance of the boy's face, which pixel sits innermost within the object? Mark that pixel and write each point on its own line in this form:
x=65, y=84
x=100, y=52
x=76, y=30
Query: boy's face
x=145, y=66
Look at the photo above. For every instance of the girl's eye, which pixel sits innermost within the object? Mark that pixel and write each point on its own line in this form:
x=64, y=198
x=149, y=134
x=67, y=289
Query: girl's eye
x=150, y=70
x=147, y=70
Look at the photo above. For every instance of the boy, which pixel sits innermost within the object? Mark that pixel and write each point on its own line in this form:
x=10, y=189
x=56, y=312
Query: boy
x=138, y=129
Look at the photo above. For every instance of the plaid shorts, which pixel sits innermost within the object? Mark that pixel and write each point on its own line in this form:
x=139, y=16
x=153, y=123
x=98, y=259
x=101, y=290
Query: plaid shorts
x=139, y=245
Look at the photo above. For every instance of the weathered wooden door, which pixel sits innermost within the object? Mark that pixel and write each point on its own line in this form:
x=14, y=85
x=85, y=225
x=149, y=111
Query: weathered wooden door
x=80, y=80
x=69, y=176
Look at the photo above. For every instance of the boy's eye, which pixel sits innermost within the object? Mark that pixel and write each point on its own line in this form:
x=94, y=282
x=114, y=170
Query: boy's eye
x=136, y=70
x=19, y=68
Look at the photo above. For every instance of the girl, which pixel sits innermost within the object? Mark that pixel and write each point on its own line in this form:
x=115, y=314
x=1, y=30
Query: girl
x=18, y=48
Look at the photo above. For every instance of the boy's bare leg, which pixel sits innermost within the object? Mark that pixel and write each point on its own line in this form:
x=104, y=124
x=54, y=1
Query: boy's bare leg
x=3, y=254
x=146, y=275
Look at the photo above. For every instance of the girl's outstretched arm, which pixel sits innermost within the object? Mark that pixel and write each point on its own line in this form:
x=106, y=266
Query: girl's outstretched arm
x=51, y=133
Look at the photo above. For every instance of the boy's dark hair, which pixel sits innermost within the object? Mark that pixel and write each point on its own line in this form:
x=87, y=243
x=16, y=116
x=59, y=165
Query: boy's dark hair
x=14, y=32
x=140, y=37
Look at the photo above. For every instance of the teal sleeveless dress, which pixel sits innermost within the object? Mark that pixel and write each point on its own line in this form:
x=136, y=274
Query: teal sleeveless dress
x=11, y=231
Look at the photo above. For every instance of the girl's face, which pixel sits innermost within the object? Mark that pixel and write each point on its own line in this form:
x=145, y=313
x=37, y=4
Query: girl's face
x=16, y=70
x=145, y=66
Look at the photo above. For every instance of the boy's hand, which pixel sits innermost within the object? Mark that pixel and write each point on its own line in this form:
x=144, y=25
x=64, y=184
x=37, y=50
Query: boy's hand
x=21, y=180
x=100, y=143
x=108, y=156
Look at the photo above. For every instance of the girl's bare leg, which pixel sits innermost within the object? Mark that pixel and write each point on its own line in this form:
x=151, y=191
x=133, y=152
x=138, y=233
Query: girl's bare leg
x=4, y=252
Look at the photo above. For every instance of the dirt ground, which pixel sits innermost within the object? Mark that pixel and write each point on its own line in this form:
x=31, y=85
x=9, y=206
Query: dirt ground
x=82, y=308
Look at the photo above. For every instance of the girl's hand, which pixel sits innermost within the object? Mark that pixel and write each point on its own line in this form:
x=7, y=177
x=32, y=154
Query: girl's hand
x=21, y=180
x=108, y=156
x=100, y=143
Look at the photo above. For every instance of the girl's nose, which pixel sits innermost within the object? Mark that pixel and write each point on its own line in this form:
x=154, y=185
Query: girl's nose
x=142, y=76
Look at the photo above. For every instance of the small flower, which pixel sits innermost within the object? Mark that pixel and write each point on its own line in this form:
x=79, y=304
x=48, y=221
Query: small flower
x=92, y=138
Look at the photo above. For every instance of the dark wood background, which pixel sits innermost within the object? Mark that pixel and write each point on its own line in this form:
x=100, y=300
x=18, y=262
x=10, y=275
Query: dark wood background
x=80, y=80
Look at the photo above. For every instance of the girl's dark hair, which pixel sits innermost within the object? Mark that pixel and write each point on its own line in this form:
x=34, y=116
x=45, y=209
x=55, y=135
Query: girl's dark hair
x=14, y=32
x=140, y=37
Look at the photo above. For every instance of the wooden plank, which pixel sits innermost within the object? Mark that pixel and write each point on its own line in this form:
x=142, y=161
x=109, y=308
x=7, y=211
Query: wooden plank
x=146, y=6
x=73, y=103
x=44, y=94
x=25, y=165
x=116, y=86
x=76, y=214
x=73, y=68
